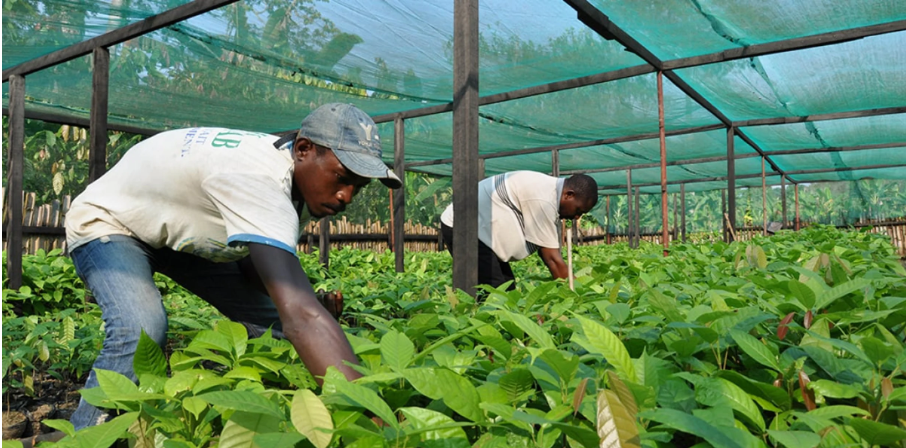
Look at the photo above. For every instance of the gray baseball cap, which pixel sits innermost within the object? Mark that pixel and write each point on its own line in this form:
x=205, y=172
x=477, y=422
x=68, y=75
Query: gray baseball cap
x=353, y=137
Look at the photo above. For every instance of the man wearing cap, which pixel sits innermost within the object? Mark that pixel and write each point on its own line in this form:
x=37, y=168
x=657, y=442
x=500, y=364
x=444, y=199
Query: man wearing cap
x=218, y=211
x=519, y=214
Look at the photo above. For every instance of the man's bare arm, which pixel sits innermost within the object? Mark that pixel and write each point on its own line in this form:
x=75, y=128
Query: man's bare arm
x=553, y=259
x=317, y=337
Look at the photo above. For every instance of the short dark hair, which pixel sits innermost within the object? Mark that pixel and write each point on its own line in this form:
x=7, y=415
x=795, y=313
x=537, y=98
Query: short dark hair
x=585, y=187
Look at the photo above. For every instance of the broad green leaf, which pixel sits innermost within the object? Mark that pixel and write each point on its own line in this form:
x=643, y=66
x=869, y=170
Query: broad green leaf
x=775, y=395
x=211, y=340
x=517, y=383
x=245, y=401
x=277, y=439
x=619, y=311
x=311, y=418
x=149, y=358
x=803, y=293
x=796, y=439
x=565, y=364
x=194, y=405
x=235, y=333
x=875, y=350
x=831, y=295
x=615, y=425
x=433, y=426
x=834, y=389
x=243, y=372
x=397, y=350
x=837, y=411
x=103, y=435
x=716, y=391
x=755, y=349
x=538, y=334
x=242, y=427
x=876, y=433
x=665, y=306
x=756, y=256
x=849, y=347
x=691, y=424
x=365, y=398
x=115, y=385
x=459, y=394
x=602, y=341
x=64, y=426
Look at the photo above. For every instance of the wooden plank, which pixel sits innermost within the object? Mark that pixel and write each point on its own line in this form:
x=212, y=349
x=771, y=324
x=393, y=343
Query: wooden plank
x=117, y=36
x=97, y=152
x=50, y=117
x=555, y=163
x=683, y=209
x=822, y=117
x=465, y=144
x=324, y=243
x=783, y=208
x=731, y=177
x=629, y=214
x=663, y=161
x=399, y=199
x=16, y=161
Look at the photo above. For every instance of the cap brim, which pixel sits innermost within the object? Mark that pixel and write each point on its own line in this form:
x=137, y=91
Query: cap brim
x=368, y=166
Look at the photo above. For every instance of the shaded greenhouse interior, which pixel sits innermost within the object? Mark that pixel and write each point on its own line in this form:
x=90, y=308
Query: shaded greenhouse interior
x=674, y=95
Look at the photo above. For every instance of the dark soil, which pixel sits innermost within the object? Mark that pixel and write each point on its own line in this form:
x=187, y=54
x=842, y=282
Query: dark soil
x=54, y=399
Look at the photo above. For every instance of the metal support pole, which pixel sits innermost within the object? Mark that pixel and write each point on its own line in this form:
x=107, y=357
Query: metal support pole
x=665, y=239
x=324, y=243
x=465, y=144
x=399, y=199
x=97, y=153
x=16, y=161
x=730, y=210
x=783, y=208
x=683, y=209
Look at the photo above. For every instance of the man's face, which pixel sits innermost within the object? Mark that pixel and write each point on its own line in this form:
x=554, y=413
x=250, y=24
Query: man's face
x=571, y=207
x=321, y=181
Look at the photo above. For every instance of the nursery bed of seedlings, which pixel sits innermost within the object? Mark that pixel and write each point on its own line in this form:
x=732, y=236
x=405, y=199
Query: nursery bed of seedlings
x=794, y=340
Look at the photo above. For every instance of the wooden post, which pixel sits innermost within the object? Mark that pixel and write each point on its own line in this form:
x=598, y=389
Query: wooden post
x=607, y=226
x=555, y=163
x=675, y=234
x=324, y=243
x=638, y=218
x=683, y=212
x=16, y=161
x=764, y=200
x=665, y=238
x=723, y=215
x=796, y=191
x=730, y=210
x=629, y=214
x=783, y=208
x=399, y=199
x=465, y=144
x=97, y=157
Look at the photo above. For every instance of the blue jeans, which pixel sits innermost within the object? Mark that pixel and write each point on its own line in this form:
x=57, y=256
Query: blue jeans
x=118, y=271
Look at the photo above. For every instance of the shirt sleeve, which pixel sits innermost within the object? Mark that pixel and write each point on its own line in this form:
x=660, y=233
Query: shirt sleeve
x=255, y=209
x=541, y=223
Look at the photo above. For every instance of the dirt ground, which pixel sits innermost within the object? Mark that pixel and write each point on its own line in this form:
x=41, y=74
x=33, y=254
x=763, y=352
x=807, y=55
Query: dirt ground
x=54, y=399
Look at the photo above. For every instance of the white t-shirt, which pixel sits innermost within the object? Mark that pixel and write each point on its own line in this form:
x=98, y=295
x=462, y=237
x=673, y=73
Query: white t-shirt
x=205, y=191
x=518, y=212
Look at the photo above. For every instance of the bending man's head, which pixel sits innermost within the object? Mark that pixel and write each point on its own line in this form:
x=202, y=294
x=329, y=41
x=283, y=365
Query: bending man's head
x=580, y=194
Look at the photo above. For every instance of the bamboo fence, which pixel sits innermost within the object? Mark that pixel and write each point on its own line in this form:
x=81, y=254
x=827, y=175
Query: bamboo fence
x=43, y=229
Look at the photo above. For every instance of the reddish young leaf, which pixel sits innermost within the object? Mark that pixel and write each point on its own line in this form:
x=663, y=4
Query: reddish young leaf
x=579, y=395
x=808, y=396
x=784, y=325
x=808, y=319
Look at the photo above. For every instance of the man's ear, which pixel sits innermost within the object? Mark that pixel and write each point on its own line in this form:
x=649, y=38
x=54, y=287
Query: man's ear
x=302, y=147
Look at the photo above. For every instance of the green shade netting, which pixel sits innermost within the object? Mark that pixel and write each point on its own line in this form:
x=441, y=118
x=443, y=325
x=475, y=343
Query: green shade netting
x=807, y=82
x=681, y=28
x=263, y=65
